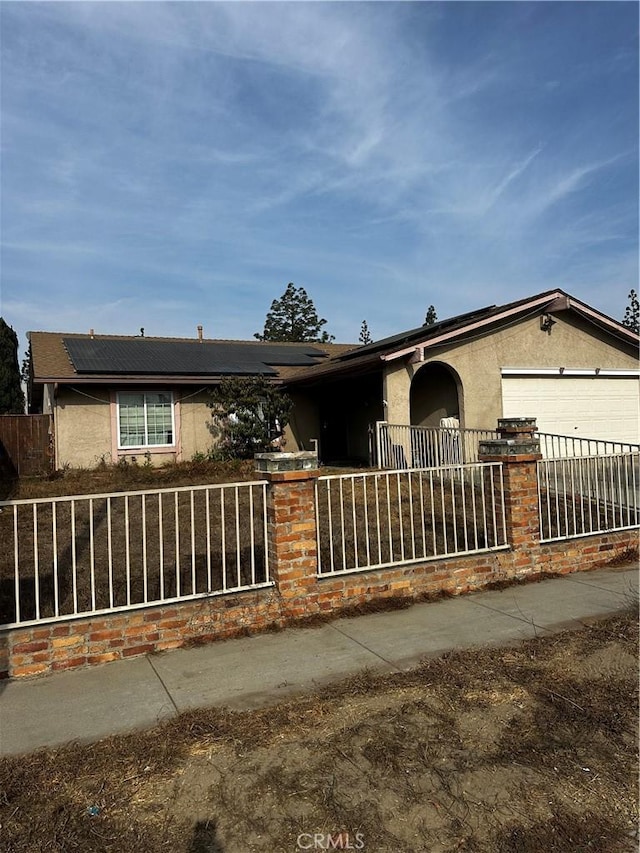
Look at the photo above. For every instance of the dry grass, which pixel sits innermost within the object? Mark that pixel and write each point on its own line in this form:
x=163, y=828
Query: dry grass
x=530, y=748
x=83, y=590
x=567, y=514
x=109, y=563
x=95, y=553
x=120, y=478
x=118, y=556
x=392, y=517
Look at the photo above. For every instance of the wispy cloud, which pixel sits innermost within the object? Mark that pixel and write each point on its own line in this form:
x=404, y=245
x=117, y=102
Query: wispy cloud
x=513, y=175
x=441, y=153
x=575, y=180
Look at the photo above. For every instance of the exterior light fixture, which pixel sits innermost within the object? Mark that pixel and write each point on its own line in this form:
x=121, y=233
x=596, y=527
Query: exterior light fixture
x=546, y=323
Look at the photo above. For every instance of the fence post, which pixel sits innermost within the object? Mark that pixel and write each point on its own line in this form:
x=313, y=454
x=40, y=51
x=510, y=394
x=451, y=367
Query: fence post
x=518, y=451
x=291, y=521
x=379, y=426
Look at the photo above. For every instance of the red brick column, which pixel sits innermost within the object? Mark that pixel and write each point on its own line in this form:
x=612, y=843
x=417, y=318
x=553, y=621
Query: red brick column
x=521, y=500
x=291, y=531
x=291, y=526
x=518, y=451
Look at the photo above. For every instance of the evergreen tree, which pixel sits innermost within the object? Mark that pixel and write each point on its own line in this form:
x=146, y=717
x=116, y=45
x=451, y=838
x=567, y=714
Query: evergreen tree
x=11, y=396
x=365, y=336
x=293, y=317
x=249, y=413
x=431, y=317
x=25, y=369
x=25, y=376
x=632, y=314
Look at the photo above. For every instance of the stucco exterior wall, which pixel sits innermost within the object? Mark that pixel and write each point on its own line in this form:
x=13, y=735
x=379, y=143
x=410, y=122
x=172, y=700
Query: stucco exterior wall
x=195, y=422
x=82, y=427
x=396, y=385
x=86, y=428
x=304, y=425
x=572, y=343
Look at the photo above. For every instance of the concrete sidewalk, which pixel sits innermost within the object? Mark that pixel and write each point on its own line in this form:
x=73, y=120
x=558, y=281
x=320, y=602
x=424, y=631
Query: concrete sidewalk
x=89, y=704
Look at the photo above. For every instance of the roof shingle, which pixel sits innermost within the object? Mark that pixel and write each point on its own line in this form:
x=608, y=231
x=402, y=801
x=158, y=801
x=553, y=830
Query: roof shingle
x=63, y=357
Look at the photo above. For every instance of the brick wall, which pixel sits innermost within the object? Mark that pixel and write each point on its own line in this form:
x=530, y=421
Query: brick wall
x=100, y=639
x=298, y=593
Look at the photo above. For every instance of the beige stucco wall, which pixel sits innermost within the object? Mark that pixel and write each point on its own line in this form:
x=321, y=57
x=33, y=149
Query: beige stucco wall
x=196, y=421
x=304, y=425
x=572, y=343
x=195, y=418
x=82, y=427
x=84, y=424
x=396, y=382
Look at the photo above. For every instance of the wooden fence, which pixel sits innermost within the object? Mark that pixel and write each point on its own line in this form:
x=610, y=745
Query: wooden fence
x=26, y=445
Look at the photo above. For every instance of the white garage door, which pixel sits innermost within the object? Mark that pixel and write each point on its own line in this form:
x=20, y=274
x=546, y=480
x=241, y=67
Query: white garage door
x=589, y=405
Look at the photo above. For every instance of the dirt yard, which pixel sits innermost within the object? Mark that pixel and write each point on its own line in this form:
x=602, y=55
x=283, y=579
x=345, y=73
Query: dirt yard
x=120, y=478
x=100, y=552
x=526, y=748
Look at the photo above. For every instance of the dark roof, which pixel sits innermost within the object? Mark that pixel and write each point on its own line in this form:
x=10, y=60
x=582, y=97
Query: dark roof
x=142, y=356
x=455, y=329
x=425, y=331
x=92, y=358
x=59, y=357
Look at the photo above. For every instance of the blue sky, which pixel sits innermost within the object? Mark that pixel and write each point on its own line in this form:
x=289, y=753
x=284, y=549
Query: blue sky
x=165, y=165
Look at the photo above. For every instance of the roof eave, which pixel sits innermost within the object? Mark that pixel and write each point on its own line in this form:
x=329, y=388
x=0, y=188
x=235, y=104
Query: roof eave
x=554, y=301
x=429, y=342
x=314, y=376
x=618, y=329
x=143, y=380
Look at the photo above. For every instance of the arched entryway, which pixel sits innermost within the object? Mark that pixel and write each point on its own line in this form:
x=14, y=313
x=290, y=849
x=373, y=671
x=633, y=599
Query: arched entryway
x=436, y=393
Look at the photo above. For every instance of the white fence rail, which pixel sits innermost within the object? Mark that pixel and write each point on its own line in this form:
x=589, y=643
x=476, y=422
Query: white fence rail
x=403, y=446
x=73, y=556
x=589, y=494
x=561, y=446
x=374, y=520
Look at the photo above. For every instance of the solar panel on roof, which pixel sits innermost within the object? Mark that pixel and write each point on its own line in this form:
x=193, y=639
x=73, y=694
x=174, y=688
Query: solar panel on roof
x=183, y=358
x=421, y=332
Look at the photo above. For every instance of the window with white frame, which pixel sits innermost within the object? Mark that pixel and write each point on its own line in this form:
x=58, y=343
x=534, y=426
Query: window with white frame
x=145, y=420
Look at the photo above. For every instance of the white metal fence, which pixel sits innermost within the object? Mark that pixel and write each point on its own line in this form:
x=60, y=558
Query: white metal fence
x=403, y=446
x=373, y=520
x=561, y=446
x=72, y=556
x=589, y=494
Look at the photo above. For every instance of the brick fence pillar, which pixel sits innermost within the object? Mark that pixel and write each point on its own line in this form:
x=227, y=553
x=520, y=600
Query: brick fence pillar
x=291, y=523
x=518, y=451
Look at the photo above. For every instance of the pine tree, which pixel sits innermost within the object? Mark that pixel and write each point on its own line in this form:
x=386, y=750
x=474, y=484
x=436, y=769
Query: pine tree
x=365, y=336
x=431, y=317
x=293, y=317
x=25, y=376
x=632, y=314
x=11, y=396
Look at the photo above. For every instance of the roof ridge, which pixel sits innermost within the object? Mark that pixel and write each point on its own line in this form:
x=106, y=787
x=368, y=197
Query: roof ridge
x=160, y=338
